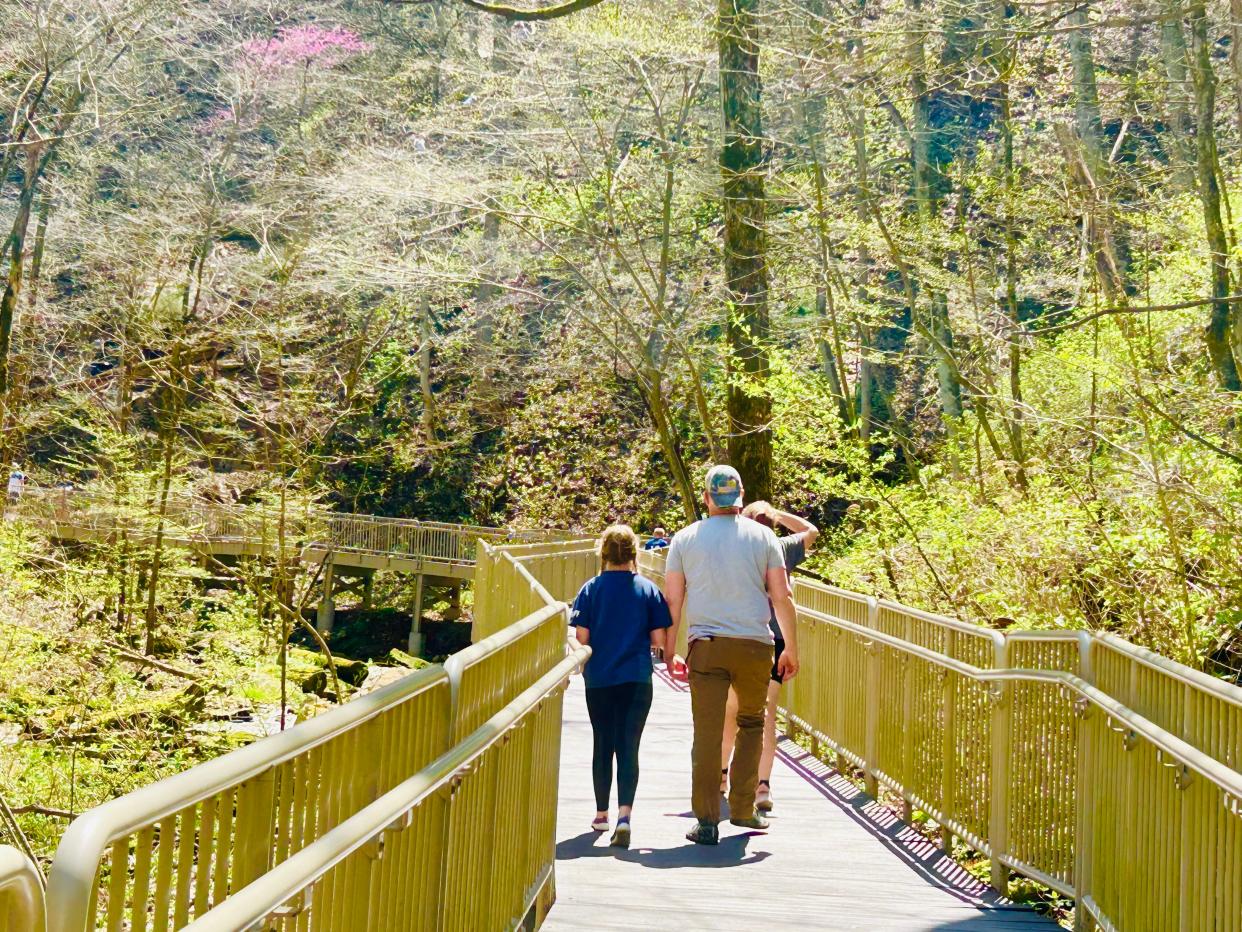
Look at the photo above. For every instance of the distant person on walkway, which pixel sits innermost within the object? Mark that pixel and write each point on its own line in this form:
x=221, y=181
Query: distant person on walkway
x=719, y=577
x=622, y=616
x=794, y=547
x=17, y=484
x=658, y=541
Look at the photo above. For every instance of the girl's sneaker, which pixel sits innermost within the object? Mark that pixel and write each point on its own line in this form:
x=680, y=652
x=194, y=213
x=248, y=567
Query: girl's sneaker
x=621, y=837
x=600, y=824
x=763, y=798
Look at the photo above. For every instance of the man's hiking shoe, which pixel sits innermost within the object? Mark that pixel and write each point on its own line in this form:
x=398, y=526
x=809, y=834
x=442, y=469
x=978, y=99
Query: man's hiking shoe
x=704, y=834
x=755, y=821
x=763, y=798
x=621, y=837
x=600, y=825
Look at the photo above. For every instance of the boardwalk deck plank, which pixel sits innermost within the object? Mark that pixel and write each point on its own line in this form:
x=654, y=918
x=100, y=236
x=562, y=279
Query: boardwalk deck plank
x=833, y=860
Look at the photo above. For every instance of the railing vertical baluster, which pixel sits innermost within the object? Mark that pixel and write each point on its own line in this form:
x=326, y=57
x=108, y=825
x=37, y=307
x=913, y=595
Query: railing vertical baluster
x=872, y=706
x=164, y=873
x=998, y=823
x=117, y=884
x=143, y=843
x=948, y=766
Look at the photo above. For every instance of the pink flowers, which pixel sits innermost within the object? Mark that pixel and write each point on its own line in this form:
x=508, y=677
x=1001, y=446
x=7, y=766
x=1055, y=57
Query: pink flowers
x=305, y=45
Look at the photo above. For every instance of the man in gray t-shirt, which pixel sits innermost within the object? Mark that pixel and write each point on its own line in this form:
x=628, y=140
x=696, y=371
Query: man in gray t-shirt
x=719, y=576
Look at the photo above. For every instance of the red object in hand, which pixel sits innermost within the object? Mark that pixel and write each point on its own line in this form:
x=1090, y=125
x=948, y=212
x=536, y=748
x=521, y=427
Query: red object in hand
x=676, y=668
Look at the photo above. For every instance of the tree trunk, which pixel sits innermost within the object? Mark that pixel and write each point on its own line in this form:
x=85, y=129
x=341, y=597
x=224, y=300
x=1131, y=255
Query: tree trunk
x=926, y=203
x=1086, y=93
x=424, y=372
x=1016, y=439
x=745, y=243
x=1179, y=96
x=653, y=394
x=1224, y=337
x=36, y=252
x=17, y=262
x=1235, y=55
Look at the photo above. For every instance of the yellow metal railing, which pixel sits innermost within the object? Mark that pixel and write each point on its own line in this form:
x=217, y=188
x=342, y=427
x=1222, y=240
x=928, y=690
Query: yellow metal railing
x=304, y=527
x=513, y=581
x=167, y=853
x=180, y=851
x=1100, y=769
x=21, y=893
x=408, y=862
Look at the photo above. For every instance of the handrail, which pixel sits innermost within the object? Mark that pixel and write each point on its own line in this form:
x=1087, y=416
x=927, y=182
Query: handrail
x=456, y=665
x=71, y=883
x=21, y=893
x=1228, y=780
x=311, y=528
x=262, y=897
x=1226, y=691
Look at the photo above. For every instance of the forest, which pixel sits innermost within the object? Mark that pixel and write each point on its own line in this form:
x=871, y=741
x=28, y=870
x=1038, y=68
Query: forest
x=960, y=281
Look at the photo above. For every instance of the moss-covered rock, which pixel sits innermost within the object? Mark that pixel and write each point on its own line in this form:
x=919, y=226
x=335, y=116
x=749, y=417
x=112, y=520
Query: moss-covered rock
x=399, y=658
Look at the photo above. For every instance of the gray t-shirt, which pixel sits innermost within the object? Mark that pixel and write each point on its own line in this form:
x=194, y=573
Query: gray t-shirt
x=794, y=548
x=725, y=560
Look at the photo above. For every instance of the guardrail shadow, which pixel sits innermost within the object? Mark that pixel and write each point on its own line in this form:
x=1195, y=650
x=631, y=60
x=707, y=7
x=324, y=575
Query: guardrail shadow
x=923, y=856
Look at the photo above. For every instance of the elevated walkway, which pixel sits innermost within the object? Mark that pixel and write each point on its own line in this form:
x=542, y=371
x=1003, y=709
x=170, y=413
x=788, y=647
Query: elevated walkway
x=1101, y=770
x=833, y=859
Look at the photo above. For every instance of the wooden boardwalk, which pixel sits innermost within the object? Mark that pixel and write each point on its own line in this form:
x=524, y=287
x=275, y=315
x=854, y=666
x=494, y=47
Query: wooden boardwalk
x=833, y=859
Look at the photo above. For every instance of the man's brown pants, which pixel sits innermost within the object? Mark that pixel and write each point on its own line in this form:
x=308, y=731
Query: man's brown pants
x=715, y=665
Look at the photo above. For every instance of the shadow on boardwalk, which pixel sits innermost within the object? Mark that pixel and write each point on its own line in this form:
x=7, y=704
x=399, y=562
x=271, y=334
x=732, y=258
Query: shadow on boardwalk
x=834, y=859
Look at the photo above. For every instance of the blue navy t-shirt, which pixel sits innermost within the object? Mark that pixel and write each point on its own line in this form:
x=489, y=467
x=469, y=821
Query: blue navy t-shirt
x=620, y=609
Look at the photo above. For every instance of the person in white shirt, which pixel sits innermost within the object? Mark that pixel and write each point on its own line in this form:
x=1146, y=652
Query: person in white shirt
x=720, y=574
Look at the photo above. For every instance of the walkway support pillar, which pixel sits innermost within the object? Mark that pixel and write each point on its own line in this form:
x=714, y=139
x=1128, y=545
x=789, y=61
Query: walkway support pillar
x=368, y=590
x=454, y=610
x=326, y=613
x=415, y=646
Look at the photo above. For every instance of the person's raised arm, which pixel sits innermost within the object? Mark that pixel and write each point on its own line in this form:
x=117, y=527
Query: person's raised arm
x=796, y=525
x=786, y=619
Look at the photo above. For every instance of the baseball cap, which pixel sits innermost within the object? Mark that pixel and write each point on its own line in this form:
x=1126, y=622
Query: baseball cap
x=724, y=485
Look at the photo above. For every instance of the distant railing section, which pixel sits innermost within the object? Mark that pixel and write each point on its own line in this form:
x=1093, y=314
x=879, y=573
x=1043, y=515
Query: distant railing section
x=379, y=814
x=1102, y=770
x=301, y=527
x=520, y=579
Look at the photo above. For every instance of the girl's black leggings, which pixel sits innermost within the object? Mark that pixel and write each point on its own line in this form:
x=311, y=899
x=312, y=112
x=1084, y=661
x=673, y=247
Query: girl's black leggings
x=618, y=714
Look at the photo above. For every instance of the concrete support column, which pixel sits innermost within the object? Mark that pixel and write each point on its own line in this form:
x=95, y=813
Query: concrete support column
x=415, y=646
x=368, y=590
x=454, y=609
x=326, y=613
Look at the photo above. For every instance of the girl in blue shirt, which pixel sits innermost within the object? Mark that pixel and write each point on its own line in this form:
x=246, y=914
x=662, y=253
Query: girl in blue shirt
x=622, y=616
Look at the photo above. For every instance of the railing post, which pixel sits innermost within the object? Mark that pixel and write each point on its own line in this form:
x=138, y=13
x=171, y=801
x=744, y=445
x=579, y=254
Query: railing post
x=907, y=711
x=998, y=823
x=1084, y=806
x=871, y=742
x=948, y=764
